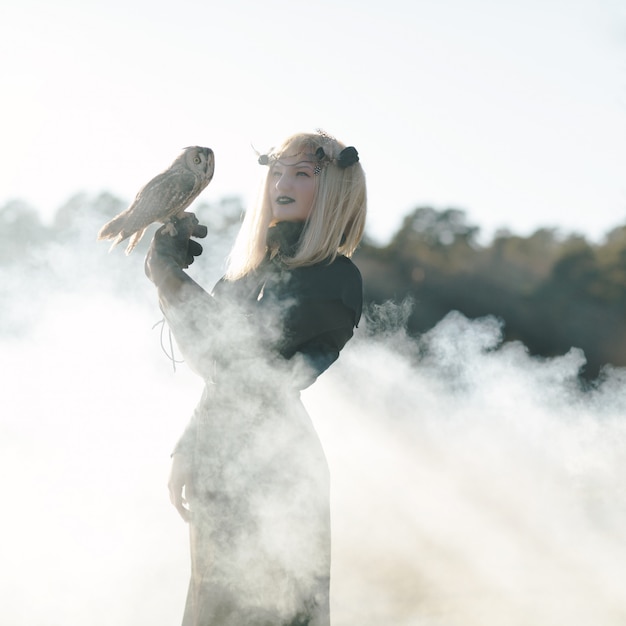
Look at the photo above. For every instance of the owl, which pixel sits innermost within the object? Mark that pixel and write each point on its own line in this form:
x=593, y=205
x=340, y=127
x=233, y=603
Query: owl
x=167, y=195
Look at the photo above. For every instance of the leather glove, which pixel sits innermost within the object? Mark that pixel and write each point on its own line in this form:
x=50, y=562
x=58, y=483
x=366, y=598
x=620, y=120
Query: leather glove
x=171, y=253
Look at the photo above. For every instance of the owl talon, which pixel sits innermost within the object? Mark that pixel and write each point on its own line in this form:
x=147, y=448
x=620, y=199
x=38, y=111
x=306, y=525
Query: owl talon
x=170, y=228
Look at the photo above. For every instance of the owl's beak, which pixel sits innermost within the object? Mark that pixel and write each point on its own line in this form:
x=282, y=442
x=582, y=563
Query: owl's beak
x=210, y=159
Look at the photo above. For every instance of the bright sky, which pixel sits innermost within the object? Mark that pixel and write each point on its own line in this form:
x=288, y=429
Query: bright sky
x=512, y=111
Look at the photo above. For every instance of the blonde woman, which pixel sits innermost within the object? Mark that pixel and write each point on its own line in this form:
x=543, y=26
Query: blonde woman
x=249, y=473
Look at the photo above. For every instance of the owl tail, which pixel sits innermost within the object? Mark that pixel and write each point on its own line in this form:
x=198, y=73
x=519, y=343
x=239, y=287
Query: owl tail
x=113, y=229
x=134, y=240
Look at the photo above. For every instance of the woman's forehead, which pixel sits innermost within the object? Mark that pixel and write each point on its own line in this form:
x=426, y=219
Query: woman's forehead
x=300, y=159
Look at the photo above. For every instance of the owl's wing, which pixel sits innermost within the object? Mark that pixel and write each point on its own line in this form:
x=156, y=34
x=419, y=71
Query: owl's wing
x=165, y=195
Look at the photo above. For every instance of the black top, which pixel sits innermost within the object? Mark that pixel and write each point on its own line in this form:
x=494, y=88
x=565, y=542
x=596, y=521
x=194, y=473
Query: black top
x=319, y=304
x=306, y=311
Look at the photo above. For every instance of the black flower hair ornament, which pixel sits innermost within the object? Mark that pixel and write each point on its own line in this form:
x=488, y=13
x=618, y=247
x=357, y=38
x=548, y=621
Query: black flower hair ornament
x=347, y=157
x=320, y=155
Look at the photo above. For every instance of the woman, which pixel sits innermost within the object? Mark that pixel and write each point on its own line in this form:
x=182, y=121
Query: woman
x=249, y=473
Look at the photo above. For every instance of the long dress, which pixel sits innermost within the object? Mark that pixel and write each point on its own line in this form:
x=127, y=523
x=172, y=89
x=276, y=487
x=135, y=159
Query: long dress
x=259, y=492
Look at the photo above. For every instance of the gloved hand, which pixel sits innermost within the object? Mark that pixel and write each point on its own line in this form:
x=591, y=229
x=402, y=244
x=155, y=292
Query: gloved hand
x=172, y=248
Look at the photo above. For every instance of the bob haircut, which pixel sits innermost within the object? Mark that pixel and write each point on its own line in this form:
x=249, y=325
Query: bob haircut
x=337, y=219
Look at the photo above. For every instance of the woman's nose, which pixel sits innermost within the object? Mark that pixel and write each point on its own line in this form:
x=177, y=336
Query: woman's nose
x=282, y=182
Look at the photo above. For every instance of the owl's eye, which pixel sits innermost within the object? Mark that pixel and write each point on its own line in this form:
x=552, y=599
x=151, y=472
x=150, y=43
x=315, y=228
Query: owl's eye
x=196, y=159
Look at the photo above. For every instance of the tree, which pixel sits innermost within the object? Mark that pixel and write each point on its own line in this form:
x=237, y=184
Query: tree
x=21, y=229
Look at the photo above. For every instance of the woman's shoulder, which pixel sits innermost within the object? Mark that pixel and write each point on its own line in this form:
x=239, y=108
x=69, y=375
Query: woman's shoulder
x=341, y=266
x=341, y=271
x=339, y=280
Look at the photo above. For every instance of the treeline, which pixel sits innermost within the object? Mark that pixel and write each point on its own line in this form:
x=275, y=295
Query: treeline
x=551, y=291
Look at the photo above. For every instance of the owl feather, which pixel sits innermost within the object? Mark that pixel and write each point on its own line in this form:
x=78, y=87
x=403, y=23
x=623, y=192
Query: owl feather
x=165, y=196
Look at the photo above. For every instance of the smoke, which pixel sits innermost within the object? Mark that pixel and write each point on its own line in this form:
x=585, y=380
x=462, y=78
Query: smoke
x=471, y=483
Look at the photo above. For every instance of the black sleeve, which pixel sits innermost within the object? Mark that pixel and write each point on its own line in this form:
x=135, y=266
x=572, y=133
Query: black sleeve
x=324, y=316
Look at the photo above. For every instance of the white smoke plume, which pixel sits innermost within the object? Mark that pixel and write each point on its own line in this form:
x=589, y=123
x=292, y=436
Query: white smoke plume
x=471, y=483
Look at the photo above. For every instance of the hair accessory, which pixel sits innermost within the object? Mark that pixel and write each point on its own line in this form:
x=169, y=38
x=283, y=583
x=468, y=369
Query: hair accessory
x=320, y=155
x=347, y=157
x=327, y=137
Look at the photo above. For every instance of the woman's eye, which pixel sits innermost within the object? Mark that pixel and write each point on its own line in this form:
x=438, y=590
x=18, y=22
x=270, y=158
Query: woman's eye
x=302, y=173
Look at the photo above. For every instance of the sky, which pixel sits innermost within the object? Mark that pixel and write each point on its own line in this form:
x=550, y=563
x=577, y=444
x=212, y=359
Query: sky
x=512, y=111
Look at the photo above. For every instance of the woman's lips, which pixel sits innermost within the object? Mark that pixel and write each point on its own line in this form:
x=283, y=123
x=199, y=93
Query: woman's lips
x=284, y=200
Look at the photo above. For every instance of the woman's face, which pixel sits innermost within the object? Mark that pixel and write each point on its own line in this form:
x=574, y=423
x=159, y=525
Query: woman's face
x=291, y=188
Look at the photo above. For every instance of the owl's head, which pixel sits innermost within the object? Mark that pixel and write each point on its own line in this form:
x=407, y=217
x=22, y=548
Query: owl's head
x=199, y=160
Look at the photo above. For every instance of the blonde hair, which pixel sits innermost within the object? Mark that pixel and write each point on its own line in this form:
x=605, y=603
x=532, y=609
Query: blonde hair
x=335, y=224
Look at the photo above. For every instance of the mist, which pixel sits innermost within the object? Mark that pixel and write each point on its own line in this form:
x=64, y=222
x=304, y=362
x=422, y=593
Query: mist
x=474, y=484
x=471, y=483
